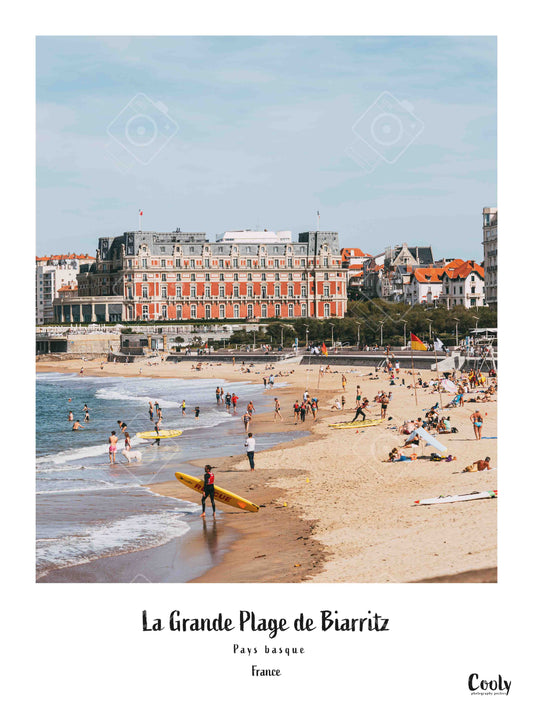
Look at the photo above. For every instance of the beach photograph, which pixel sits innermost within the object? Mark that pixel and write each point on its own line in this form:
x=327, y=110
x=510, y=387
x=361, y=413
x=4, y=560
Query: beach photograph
x=266, y=298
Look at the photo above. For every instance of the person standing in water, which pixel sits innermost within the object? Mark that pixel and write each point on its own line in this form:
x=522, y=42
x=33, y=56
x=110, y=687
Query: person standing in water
x=151, y=411
x=197, y=411
x=86, y=411
x=77, y=426
x=70, y=416
x=113, y=439
x=209, y=488
x=183, y=406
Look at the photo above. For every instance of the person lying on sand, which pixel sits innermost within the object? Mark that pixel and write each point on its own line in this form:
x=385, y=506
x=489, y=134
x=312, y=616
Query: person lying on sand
x=414, y=442
x=478, y=466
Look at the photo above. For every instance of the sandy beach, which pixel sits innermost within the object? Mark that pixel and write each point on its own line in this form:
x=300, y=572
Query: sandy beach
x=332, y=508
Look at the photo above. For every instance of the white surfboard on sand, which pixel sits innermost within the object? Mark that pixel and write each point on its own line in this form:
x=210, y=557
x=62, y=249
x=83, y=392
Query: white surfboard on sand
x=460, y=497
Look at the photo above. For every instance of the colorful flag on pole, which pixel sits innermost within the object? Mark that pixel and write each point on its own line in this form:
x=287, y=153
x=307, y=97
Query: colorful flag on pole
x=140, y=212
x=324, y=349
x=416, y=343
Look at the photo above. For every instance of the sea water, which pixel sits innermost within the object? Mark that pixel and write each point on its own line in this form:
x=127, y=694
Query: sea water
x=87, y=509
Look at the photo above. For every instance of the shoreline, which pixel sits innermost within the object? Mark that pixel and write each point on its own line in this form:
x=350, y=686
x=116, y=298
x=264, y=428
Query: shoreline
x=350, y=515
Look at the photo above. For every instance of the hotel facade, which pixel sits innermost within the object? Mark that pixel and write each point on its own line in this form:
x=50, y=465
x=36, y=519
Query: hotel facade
x=243, y=275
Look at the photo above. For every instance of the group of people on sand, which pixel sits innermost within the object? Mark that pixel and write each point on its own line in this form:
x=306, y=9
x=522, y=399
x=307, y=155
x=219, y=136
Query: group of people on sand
x=307, y=406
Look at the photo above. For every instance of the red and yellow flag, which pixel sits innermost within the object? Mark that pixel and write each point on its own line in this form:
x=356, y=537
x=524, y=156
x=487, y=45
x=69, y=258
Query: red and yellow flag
x=416, y=344
x=324, y=349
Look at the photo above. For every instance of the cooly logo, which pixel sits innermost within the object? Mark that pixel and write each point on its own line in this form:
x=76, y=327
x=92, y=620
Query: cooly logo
x=499, y=685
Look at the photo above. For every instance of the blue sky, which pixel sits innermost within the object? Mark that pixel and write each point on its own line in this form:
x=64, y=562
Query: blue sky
x=267, y=132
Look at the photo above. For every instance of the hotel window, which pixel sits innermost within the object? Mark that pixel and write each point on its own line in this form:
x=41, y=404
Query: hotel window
x=250, y=291
x=145, y=311
x=130, y=263
x=178, y=262
x=263, y=277
x=208, y=291
x=163, y=263
x=145, y=292
x=276, y=263
x=262, y=263
x=326, y=290
x=193, y=277
x=249, y=263
x=222, y=311
x=277, y=291
x=235, y=291
x=221, y=277
x=326, y=262
x=263, y=292
x=326, y=311
x=235, y=263
x=249, y=277
x=163, y=277
x=326, y=276
x=145, y=277
x=236, y=311
x=276, y=276
x=291, y=311
x=276, y=250
x=208, y=277
x=207, y=263
x=263, y=311
x=130, y=292
x=144, y=263
x=193, y=292
x=178, y=312
x=178, y=277
x=291, y=291
x=473, y=290
x=304, y=292
x=208, y=311
x=290, y=276
x=277, y=310
x=129, y=278
x=250, y=311
x=164, y=311
x=163, y=292
x=235, y=277
x=304, y=310
x=178, y=292
x=193, y=311
x=289, y=262
x=221, y=290
x=302, y=262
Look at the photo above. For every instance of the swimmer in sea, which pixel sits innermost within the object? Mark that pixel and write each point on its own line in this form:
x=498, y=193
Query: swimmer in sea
x=77, y=426
x=70, y=416
x=113, y=439
x=86, y=411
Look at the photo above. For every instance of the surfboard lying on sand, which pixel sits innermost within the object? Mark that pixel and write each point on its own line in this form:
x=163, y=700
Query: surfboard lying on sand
x=460, y=497
x=163, y=434
x=353, y=425
x=226, y=497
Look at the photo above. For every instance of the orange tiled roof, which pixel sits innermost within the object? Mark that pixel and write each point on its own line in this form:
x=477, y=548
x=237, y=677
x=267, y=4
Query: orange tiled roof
x=68, y=287
x=64, y=256
x=463, y=269
x=351, y=252
x=429, y=275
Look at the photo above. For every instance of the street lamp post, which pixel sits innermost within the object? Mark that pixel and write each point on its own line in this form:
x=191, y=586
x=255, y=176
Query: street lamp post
x=358, y=332
x=381, y=331
x=404, y=332
x=332, y=342
x=306, y=337
x=282, y=337
x=456, y=331
x=429, y=320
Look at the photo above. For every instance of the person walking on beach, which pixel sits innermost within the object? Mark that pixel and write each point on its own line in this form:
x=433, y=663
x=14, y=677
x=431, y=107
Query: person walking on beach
x=296, y=408
x=246, y=419
x=249, y=445
x=361, y=410
x=183, y=406
x=384, y=403
x=234, y=399
x=302, y=412
x=228, y=401
x=151, y=411
x=113, y=439
x=86, y=411
x=217, y=393
x=209, y=488
x=343, y=402
x=343, y=383
x=127, y=441
x=197, y=412
x=250, y=408
x=156, y=440
x=77, y=426
x=277, y=409
x=476, y=419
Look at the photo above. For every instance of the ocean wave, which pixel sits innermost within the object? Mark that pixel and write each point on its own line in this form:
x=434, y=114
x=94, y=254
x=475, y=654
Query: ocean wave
x=126, y=535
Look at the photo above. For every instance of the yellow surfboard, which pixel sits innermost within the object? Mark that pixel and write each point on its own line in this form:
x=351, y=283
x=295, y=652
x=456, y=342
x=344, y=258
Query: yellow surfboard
x=163, y=434
x=356, y=425
x=226, y=497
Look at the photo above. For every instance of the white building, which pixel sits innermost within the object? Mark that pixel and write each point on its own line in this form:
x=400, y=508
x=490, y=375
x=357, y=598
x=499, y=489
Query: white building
x=424, y=286
x=490, y=255
x=255, y=237
x=52, y=273
x=463, y=285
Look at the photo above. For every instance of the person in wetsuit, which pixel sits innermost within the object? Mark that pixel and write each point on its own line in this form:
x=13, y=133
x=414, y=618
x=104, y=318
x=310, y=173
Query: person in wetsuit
x=360, y=410
x=209, y=488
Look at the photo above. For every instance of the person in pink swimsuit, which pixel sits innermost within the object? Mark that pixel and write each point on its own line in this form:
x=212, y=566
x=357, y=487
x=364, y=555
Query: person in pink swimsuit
x=113, y=439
